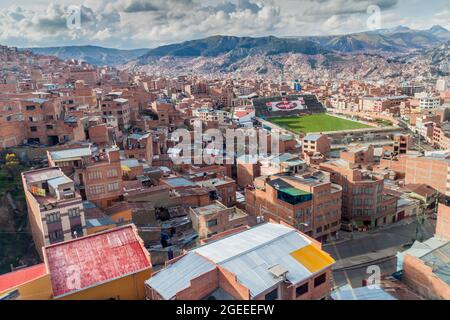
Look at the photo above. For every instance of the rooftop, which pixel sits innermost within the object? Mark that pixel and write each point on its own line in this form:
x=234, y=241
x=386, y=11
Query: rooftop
x=13, y=279
x=251, y=253
x=42, y=174
x=71, y=153
x=210, y=209
x=97, y=258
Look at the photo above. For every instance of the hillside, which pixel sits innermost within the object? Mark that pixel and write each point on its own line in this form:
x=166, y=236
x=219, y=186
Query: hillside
x=92, y=54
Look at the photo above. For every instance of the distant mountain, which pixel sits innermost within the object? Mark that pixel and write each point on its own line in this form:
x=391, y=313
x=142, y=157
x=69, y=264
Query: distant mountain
x=263, y=55
x=235, y=47
x=398, y=39
x=92, y=54
x=440, y=32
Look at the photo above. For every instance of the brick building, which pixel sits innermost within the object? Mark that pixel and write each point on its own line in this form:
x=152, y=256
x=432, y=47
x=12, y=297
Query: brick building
x=216, y=218
x=364, y=201
x=55, y=209
x=308, y=202
x=97, y=172
x=267, y=262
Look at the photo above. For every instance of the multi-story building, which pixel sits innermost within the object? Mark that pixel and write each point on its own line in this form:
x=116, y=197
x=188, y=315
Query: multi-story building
x=357, y=154
x=427, y=102
x=55, y=208
x=308, y=202
x=97, y=172
x=441, y=136
x=216, y=218
x=402, y=143
x=364, y=201
x=314, y=143
x=113, y=105
x=225, y=189
x=267, y=262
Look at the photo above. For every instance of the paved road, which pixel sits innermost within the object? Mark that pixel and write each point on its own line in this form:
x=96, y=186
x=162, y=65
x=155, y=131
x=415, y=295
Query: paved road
x=377, y=247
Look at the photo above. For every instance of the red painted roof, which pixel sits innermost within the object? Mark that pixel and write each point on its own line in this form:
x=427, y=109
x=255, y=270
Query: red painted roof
x=13, y=279
x=85, y=262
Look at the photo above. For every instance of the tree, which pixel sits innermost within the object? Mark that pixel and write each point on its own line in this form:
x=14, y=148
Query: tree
x=12, y=165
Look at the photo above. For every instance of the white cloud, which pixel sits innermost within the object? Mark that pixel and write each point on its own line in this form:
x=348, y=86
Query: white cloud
x=148, y=23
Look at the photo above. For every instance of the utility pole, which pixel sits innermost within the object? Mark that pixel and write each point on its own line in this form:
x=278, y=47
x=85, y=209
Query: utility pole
x=420, y=220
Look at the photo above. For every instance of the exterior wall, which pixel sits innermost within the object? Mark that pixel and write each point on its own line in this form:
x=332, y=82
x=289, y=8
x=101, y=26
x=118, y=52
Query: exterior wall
x=228, y=282
x=363, y=198
x=314, y=293
x=246, y=173
x=199, y=222
x=35, y=220
x=423, y=170
x=443, y=222
x=420, y=278
x=36, y=289
x=127, y=288
x=200, y=287
x=326, y=209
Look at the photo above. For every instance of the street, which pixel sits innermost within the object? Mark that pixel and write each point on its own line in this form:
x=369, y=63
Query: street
x=373, y=248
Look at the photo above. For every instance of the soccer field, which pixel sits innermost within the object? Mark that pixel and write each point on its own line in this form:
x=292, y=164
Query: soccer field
x=317, y=123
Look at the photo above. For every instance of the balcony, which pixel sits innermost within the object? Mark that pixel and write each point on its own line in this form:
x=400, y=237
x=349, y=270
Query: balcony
x=294, y=196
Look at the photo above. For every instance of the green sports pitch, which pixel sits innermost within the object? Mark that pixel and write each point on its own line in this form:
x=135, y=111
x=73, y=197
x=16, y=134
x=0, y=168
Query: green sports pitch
x=317, y=123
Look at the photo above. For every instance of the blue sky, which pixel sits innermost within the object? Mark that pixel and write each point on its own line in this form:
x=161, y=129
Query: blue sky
x=149, y=23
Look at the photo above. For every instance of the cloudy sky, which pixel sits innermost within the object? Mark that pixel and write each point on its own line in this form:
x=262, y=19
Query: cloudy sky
x=150, y=23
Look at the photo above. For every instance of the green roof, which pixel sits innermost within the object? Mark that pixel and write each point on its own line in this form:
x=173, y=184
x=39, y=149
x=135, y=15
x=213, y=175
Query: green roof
x=295, y=192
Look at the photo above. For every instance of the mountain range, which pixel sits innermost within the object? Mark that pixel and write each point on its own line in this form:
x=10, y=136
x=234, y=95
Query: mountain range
x=92, y=54
x=262, y=55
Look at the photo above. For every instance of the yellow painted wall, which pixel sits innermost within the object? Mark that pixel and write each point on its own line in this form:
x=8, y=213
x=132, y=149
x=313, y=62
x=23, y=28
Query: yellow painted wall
x=127, y=288
x=99, y=229
x=37, y=289
x=126, y=215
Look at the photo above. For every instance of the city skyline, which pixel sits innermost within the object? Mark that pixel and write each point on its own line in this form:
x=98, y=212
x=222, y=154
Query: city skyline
x=128, y=24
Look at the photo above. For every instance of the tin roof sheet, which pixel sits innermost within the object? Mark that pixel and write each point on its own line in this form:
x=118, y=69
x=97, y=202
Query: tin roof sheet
x=177, y=276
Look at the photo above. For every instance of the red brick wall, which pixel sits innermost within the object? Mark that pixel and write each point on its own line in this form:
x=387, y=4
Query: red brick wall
x=200, y=287
x=443, y=222
x=229, y=283
x=421, y=279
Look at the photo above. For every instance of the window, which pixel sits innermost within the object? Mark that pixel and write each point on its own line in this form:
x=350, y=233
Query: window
x=49, y=127
x=319, y=230
x=272, y=295
x=113, y=186
x=95, y=175
x=33, y=129
x=211, y=223
x=57, y=235
x=319, y=280
x=97, y=189
x=74, y=213
x=53, y=217
x=302, y=289
x=30, y=108
x=111, y=173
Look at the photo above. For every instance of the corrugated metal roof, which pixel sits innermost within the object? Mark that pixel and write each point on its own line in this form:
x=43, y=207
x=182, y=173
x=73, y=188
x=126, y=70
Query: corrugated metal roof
x=251, y=253
x=177, y=276
x=312, y=137
x=229, y=247
x=420, y=249
x=70, y=153
x=55, y=182
x=95, y=259
x=248, y=254
x=364, y=293
x=439, y=260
